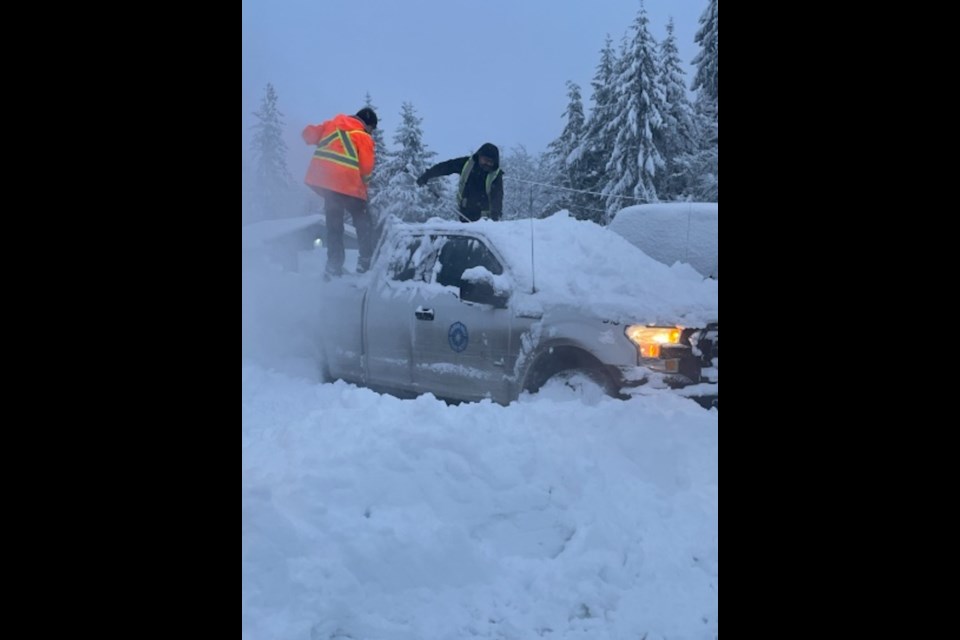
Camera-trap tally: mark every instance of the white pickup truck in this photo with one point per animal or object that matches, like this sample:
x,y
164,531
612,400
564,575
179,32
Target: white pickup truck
x,y
493,309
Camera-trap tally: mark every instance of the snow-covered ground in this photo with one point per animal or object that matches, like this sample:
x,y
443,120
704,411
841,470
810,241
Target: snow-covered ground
x,y
366,516
559,516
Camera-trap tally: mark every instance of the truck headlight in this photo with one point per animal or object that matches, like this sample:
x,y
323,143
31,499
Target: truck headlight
x,y
649,339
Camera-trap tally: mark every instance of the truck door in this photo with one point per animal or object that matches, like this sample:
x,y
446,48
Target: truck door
x,y
460,348
389,316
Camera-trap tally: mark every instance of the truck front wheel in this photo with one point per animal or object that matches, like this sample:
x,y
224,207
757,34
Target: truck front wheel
x,y
572,368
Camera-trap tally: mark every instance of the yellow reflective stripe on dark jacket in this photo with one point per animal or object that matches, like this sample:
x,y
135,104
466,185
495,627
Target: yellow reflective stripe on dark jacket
x,y
465,174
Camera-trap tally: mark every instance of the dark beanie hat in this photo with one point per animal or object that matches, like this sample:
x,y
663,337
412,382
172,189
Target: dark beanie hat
x,y
368,116
489,150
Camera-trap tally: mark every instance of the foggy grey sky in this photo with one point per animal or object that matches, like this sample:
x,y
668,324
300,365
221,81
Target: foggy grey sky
x,y
475,71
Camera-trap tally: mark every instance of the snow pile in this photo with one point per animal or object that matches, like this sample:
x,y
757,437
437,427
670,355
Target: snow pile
x,y
365,516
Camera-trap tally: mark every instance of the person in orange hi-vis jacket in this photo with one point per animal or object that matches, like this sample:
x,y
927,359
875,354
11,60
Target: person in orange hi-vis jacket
x,y
339,172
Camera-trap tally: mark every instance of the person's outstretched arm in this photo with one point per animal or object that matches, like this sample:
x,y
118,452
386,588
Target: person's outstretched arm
x,y
443,169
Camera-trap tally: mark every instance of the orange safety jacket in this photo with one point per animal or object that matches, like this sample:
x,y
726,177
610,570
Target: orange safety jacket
x,y
344,157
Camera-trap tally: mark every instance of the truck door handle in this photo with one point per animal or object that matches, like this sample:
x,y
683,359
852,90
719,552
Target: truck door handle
x,y
424,314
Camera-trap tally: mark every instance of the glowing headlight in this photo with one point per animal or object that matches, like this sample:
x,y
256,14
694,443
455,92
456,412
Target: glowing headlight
x,y
649,339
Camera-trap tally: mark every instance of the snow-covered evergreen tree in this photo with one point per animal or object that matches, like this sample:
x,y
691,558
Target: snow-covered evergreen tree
x,y
566,167
704,165
596,140
378,132
377,180
706,79
524,193
679,135
638,116
272,180
400,195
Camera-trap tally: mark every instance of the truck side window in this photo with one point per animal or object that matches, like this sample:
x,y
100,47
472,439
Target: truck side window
x,y
460,253
402,264
413,260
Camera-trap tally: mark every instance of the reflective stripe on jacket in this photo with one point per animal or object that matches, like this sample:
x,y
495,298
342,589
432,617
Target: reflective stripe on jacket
x,y
488,183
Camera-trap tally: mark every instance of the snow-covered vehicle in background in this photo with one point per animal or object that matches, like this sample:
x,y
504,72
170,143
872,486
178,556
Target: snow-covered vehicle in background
x,y
493,309
674,232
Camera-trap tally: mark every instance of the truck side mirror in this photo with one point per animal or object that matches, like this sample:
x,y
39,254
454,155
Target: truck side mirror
x,y
482,292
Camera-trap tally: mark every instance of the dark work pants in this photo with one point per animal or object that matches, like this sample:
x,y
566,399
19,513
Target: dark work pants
x,y
335,206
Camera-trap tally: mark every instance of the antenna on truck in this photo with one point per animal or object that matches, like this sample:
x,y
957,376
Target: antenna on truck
x,y
533,274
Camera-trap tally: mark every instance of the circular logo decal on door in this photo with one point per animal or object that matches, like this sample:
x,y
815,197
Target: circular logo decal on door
x,y
458,337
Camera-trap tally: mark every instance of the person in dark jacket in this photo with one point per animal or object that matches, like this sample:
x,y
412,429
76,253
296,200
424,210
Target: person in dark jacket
x,y
480,194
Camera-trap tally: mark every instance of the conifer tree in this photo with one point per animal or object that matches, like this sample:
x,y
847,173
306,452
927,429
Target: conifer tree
x,y
597,139
377,180
567,168
704,164
637,119
679,135
400,195
706,79
271,177
526,190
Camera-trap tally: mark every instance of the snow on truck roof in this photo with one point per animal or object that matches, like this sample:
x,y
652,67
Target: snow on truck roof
x,y
581,262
